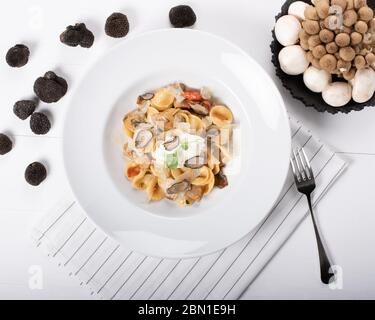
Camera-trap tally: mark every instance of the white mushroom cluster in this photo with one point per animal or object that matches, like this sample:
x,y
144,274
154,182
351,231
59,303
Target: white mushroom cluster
x,y
322,47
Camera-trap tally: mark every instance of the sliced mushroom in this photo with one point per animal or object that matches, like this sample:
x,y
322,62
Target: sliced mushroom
x,y
145,97
213,131
195,193
179,187
143,138
195,162
172,144
199,109
221,180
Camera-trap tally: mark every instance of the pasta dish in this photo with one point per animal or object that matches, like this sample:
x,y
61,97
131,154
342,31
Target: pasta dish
x,y
179,142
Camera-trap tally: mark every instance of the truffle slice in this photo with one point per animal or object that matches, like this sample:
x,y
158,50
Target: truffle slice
x,y
18,56
77,35
24,108
117,25
182,16
35,173
50,88
6,144
39,123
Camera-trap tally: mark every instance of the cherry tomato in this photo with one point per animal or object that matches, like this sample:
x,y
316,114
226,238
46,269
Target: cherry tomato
x,y
192,95
133,172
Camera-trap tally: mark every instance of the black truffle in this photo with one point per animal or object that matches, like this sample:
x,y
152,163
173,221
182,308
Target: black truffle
x,y
87,39
35,173
77,35
18,56
5,144
117,25
182,16
24,108
39,123
50,88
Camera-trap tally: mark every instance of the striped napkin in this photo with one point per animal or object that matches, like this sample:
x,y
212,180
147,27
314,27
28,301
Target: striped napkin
x,y
111,271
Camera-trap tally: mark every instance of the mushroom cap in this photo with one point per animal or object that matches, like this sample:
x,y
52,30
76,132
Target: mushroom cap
x,y
297,9
337,94
172,144
363,85
287,30
142,138
316,80
179,187
293,60
196,162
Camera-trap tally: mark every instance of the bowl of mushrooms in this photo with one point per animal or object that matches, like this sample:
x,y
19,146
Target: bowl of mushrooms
x,y
324,53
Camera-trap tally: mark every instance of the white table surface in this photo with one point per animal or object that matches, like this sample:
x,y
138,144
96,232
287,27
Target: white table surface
x,y
346,214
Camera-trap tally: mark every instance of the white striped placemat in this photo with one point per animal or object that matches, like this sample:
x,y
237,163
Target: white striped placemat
x,y
110,271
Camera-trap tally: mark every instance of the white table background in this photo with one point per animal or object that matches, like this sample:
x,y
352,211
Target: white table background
x,y
346,214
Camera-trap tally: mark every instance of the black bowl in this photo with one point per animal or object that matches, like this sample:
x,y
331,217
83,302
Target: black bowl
x,y
295,84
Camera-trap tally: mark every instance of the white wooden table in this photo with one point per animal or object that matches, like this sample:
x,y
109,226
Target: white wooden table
x,y
346,214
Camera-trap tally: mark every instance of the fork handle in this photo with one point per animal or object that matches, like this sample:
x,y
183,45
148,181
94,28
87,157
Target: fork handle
x,y
325,265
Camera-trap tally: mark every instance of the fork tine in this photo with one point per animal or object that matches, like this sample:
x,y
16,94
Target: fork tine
x,y
304,163
296,161
299,162
296,167
306,159
296,177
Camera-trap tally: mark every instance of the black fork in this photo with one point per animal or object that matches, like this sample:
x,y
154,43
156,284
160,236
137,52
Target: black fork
x,y
305,182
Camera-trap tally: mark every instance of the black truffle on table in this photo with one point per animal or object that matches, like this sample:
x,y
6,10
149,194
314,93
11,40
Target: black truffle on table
x,y
77,35
35,173
18,56
117,25
24,108
6,144
50,88
39,123
182,16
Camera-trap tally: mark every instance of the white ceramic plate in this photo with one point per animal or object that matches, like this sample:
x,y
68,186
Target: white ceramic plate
x,y
93,139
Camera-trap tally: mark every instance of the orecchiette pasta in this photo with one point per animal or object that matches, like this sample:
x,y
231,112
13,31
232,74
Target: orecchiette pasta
x,y
175,173
196,123
130,122
203,177
177,144
210,185
151,112
216,169
141,182
154,191
221,116
163,99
